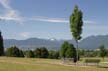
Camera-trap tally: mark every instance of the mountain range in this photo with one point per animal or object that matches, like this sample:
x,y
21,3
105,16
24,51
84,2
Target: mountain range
x,y
91,42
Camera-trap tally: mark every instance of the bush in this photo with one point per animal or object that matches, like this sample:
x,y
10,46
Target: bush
x,y
53,54
67,50
92,60
44,52
41,52
14,52
29,54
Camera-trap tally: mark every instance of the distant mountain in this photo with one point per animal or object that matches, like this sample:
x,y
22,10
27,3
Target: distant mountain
x,y
91,42
32,43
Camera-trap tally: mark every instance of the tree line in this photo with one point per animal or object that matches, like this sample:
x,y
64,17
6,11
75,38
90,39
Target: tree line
x,y
67,50
41,52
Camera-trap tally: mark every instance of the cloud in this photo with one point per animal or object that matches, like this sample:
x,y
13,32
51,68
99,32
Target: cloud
x,y
47,19
25,34
89,22
14,15
5,4
57,20
11,14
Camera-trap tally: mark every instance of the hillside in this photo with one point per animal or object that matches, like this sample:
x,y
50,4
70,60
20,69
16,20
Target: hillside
x,y
91,42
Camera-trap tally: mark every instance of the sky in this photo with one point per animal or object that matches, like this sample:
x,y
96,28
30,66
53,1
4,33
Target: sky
x,y
22,19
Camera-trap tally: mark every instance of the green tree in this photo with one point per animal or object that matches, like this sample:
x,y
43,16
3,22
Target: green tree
x,y
63,49
107,52
37,52
70,52
81,52
102,51
44,52
29,54
1,45
21,53
41,52
14,52
56,55
53,54
76,23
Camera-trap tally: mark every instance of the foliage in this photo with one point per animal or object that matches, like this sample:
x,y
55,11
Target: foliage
x,y
37,52
91,53
76,23
107,52
53,54
71,51
64,49
68,51
41,52
92,60
44,52
14,52
29,54
1,45
102,51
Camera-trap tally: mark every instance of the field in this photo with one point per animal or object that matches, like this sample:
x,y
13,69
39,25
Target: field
x,y
33,64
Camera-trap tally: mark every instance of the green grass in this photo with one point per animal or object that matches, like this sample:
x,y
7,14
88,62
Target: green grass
x,y
33,64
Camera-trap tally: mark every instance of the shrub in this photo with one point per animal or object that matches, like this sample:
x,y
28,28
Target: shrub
x,y
29,54
92,60
41,52
14,52
53,54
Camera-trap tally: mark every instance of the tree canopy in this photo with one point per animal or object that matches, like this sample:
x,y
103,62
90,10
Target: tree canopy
x,y
1,45
14,52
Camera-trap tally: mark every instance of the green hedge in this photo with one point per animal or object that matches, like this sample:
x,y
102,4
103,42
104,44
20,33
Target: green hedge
x,y
92,60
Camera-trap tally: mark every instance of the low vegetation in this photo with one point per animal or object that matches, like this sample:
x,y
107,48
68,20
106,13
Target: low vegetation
x,y
94,61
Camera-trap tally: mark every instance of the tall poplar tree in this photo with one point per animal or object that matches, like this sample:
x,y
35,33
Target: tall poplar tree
x,y
76,23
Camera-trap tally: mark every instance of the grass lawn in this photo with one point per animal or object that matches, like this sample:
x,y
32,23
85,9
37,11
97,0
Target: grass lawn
x,y
33,64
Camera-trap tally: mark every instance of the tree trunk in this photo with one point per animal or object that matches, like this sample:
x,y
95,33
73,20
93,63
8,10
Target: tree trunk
x,y
77,53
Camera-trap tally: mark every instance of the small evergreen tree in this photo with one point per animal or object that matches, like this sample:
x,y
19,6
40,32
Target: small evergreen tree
x,y
1,45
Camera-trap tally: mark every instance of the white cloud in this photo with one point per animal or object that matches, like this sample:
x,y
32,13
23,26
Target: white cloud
x,y
89,22
47,19
25,34
11,14
5,4
57,20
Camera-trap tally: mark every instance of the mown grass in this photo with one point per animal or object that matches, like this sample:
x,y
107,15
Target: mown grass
x,y
33,64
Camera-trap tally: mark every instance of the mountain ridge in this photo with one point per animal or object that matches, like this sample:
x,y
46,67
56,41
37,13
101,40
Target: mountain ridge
x,y
91,42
